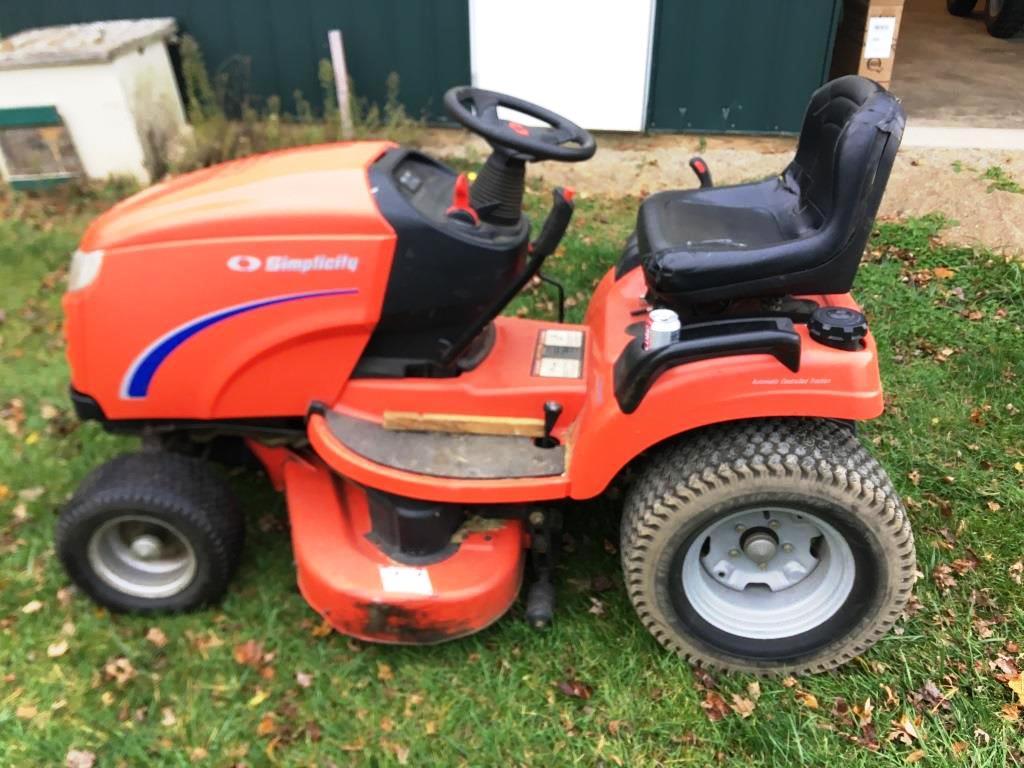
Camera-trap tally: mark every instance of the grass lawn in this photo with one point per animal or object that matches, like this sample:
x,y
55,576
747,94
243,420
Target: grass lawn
x,y
257,681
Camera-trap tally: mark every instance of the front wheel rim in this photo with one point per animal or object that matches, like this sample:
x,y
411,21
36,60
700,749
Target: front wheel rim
x,y
142,556
768,572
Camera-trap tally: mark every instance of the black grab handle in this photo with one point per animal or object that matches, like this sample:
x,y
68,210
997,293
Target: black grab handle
x,y
555,224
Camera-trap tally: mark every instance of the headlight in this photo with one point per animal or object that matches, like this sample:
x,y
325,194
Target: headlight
x,y
85,266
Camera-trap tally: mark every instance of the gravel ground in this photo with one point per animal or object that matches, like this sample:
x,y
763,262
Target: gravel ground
x,y
923,181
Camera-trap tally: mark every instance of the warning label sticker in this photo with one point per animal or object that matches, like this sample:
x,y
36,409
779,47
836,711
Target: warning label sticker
x,y
411,581
559,354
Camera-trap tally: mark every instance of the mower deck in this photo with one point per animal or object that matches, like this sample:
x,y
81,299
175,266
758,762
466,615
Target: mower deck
x,y
362,592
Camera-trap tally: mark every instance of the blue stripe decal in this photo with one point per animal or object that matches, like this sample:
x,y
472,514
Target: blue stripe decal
x,y
140,373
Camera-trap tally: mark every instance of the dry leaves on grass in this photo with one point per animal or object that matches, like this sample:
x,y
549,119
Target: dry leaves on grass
x,y
808,700
119,669
575,689
58,649
79,758
156,636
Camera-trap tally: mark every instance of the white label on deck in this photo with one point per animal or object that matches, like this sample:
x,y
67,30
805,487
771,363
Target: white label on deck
x,y
411,581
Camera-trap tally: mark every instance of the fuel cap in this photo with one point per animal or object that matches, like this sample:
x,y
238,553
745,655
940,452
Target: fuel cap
x,y
838,327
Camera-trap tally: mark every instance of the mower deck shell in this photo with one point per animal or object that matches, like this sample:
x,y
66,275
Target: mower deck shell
x,y
362,592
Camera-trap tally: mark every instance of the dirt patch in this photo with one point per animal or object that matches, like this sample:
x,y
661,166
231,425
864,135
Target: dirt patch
x,y
923,181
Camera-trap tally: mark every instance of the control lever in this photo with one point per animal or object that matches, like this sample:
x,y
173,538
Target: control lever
x,y
555,224
460,209
552,410
701,169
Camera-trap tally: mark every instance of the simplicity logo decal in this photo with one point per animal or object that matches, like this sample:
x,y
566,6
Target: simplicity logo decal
x,y
319,263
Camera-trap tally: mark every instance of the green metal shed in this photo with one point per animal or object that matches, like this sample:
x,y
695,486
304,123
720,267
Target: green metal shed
x,y
272,47
738,66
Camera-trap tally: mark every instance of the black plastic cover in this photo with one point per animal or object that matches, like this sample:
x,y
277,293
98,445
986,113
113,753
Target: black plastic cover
x,y
637,369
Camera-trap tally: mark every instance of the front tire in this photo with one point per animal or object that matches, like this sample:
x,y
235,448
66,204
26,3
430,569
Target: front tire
x,y
774,547
1004,18
151,532
961,7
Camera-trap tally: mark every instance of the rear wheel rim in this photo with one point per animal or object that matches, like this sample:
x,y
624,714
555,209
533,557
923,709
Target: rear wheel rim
x,y
768,572
142,556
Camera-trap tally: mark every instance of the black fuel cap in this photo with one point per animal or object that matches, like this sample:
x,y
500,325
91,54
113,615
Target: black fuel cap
x,y
838,327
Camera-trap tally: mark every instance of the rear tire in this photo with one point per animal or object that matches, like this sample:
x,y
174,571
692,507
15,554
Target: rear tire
x,y
1004,18
151,532
733,604
961,7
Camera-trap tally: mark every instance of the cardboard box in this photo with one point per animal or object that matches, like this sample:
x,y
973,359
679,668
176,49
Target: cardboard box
x,y
866,39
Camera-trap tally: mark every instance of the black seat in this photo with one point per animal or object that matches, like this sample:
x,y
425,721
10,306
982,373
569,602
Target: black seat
x,y
801,232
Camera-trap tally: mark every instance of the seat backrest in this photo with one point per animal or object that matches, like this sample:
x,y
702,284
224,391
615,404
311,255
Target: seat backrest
x,y
848,142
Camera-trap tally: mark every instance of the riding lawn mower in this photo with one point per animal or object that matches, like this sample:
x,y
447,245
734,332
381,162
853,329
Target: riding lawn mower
x,y
335,312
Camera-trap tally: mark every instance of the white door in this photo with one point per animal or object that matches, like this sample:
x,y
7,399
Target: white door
x,y
585,59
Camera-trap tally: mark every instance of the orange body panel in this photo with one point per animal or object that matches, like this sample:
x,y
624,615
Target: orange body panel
x,y
295,234
359,590
600,439
831,383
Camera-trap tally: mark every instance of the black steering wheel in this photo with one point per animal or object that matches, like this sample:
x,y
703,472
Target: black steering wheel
x,y
559,139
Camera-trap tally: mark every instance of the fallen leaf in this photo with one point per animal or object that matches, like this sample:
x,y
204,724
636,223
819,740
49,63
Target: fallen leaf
x,y
33,606
26,712
266,725
119,669
789,682
156,636
79,758
249,653
31,494
576,689
323,629
904,730
1016,684
742,706
197,754
943,273
943,577
304,679
1016,571
916,756
384,672
167,717
57,649
754,690
1010,712
258,698
714,706
809,700
964,565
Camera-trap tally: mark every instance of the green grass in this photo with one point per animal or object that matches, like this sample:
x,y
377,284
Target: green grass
x,y
1001,180
948,322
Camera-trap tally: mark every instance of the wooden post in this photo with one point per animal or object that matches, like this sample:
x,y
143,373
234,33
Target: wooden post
x,y
340,81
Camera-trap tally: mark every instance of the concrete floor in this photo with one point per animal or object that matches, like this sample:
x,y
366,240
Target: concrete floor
x,y
949,71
